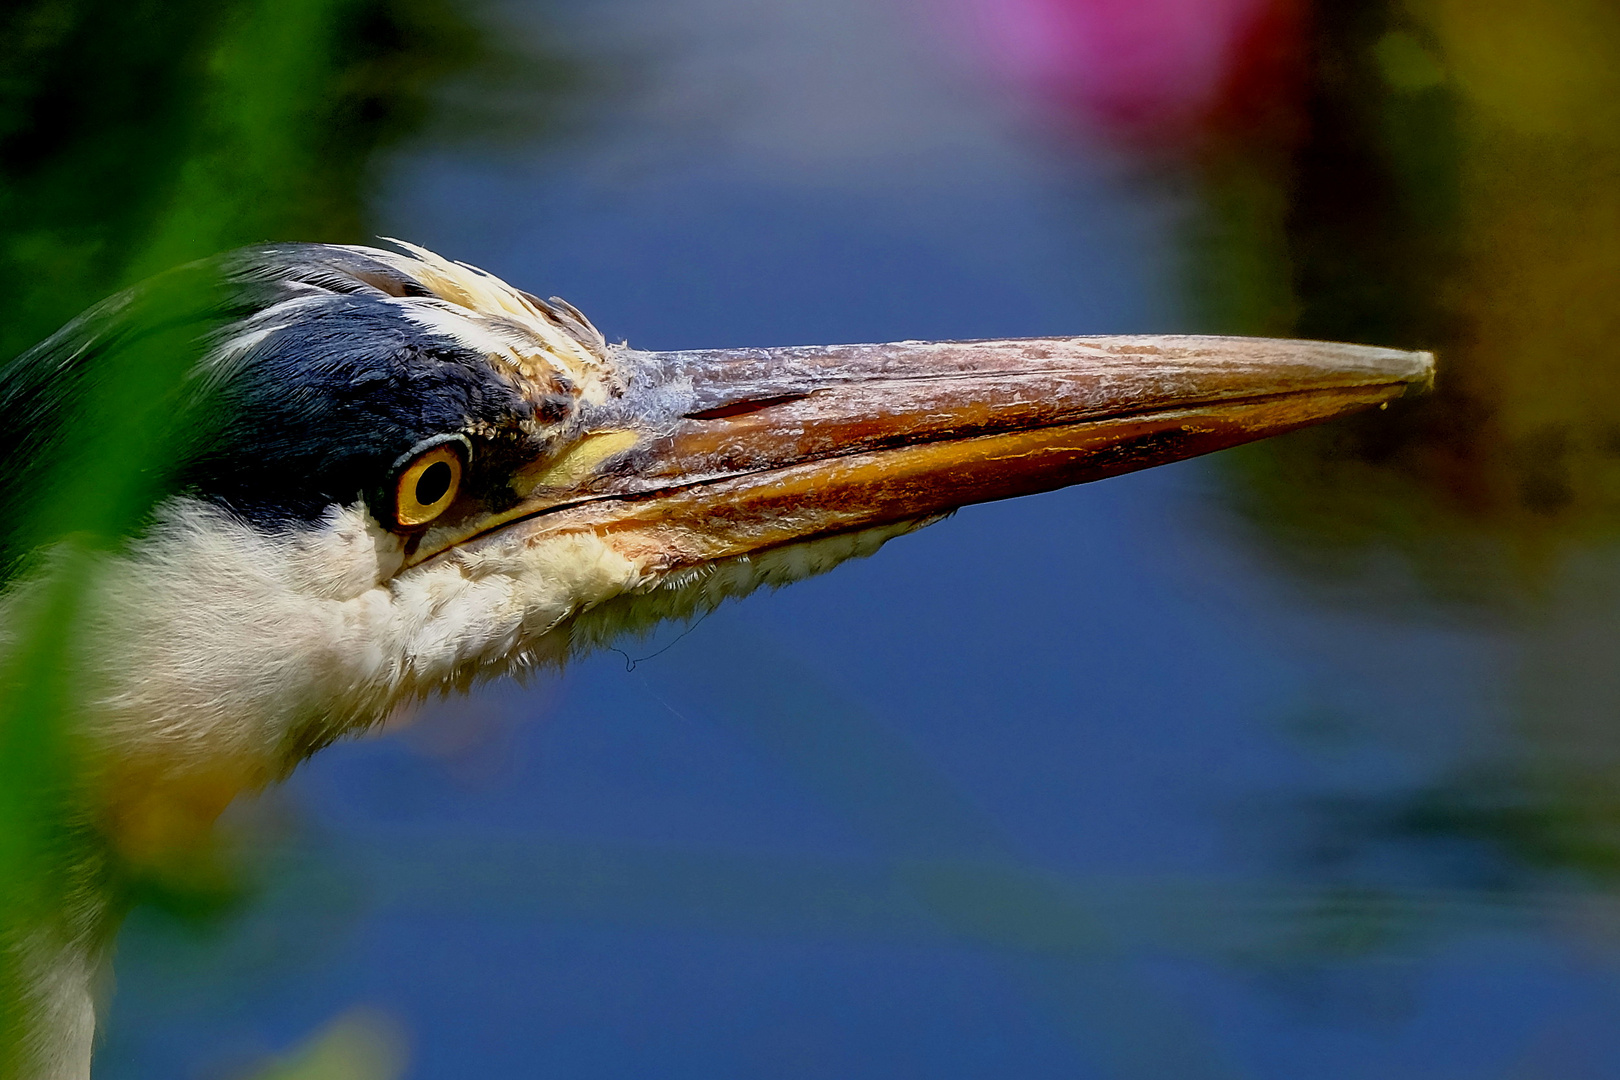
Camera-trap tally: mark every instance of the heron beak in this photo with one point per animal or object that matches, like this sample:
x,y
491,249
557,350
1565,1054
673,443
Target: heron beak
x,y
770,446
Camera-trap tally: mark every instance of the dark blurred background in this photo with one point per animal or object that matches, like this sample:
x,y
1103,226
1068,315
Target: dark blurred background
x,y
1303,760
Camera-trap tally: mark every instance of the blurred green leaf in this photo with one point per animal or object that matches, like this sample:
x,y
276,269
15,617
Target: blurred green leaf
x,y
359,1045
135,136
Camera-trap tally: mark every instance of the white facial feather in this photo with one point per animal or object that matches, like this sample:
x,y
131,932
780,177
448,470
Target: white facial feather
x,y
214,641
486,314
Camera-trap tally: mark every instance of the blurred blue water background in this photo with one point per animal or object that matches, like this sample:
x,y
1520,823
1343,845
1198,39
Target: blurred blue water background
x,y
1071,786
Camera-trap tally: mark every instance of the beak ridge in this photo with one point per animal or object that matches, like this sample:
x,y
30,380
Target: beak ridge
x,y
762,408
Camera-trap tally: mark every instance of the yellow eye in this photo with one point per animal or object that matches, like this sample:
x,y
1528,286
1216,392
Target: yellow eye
x,y
427,486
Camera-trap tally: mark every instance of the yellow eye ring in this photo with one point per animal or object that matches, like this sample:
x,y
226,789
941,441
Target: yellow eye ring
x,y
427,485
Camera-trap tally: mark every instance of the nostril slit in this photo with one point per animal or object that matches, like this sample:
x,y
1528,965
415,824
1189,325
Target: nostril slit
x,y
740,408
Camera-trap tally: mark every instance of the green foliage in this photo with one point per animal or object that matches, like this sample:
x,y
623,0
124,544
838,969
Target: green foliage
x,y
1454,185
136,135
1451,185
357,1046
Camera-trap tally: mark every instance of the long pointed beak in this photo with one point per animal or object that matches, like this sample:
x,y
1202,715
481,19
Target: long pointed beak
x,y
719,453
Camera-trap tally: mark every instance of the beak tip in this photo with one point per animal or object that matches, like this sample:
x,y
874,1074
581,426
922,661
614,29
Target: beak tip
x,y
1404,371
1410,371
1414,367
1423,380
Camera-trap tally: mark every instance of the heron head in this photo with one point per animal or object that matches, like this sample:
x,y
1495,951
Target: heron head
x,y
408,475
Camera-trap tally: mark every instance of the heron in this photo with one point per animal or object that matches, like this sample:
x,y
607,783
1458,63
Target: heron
x,y
390,475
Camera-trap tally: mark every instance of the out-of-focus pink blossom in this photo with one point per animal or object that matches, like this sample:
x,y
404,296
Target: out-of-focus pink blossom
x,y
1144,69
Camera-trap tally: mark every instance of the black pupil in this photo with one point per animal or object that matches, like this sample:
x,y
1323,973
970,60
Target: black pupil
x,y
433,483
